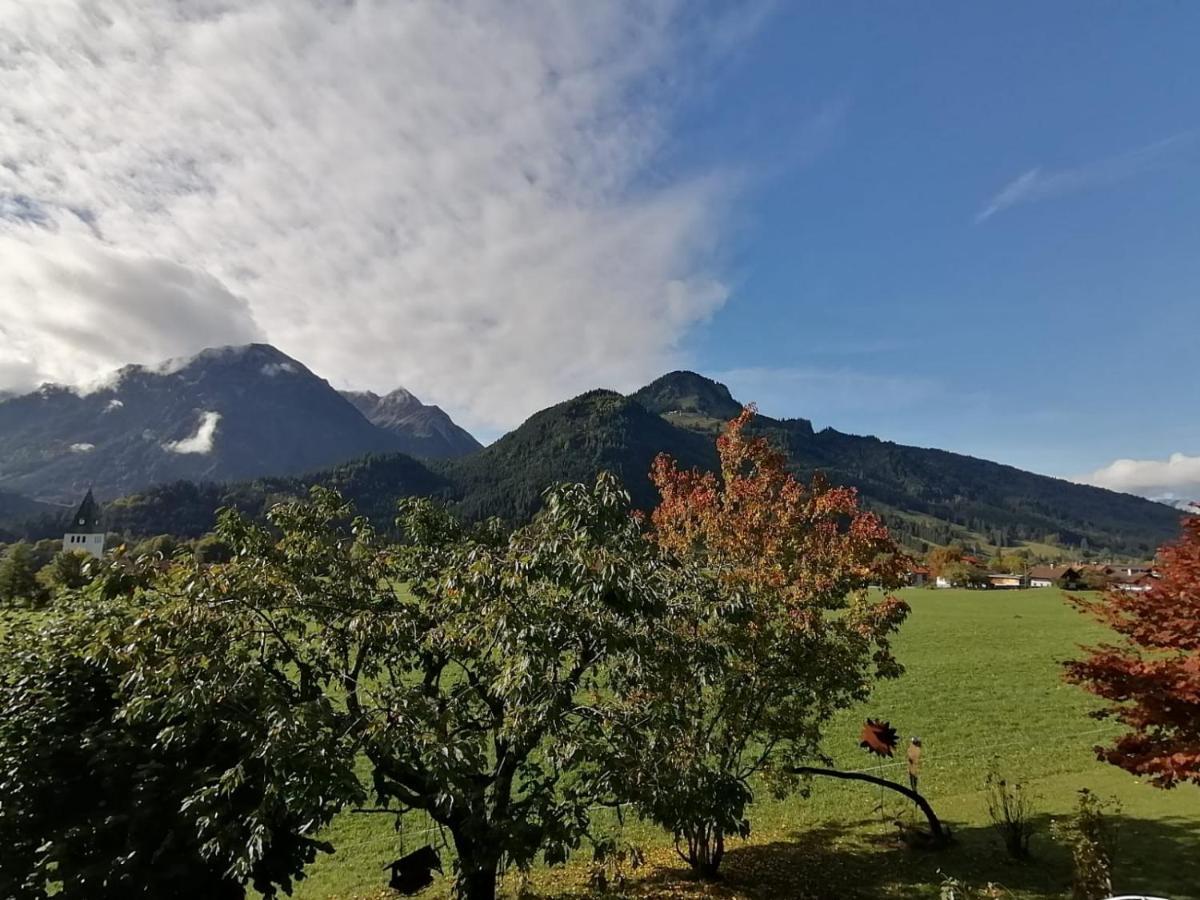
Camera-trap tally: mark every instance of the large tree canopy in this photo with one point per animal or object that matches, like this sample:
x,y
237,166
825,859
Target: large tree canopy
x,y
196,723
1152,677
486,702
756,668
146,751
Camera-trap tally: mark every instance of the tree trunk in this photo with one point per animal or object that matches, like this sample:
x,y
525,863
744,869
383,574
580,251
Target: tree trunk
x,y
718,853
478,866
478,884
706,849
936,829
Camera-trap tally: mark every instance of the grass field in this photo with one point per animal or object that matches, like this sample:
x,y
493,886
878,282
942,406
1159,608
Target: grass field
x,y
982,689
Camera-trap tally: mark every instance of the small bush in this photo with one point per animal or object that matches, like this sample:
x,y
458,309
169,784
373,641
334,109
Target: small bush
x,y
956,889
1010,806
613,865
1091,836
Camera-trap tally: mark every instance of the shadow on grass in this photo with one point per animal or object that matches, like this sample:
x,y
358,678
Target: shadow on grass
x,y
1160,857
859,860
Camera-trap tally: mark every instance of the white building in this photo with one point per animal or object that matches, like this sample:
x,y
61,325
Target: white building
x,y
1048,576
85,534
1135,584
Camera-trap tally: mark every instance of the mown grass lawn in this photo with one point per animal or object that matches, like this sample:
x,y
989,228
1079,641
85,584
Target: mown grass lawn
x,y
983,689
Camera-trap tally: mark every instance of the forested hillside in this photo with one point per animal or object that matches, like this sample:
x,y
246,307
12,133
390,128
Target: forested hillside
x,y
932,495
600,430
187,509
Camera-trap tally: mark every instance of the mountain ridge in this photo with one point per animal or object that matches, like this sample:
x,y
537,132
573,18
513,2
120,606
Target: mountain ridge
x,y
927,496
1000,502
225,414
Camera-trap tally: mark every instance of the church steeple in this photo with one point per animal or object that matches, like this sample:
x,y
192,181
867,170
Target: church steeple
x,y
84,533
87,518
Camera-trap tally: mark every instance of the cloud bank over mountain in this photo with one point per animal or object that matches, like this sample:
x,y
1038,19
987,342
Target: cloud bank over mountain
x,y
460,199
1175,479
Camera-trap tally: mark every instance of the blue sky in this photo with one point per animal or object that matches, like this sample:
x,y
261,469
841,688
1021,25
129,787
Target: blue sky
x,y
964,225
1057,334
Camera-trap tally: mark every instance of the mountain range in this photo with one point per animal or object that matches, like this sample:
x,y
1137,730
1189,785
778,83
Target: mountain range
x,y
226,414
927,496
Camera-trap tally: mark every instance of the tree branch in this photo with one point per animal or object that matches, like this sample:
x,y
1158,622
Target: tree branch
x,y
940,834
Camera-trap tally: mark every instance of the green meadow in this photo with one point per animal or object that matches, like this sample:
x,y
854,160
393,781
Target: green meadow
x,y
983,691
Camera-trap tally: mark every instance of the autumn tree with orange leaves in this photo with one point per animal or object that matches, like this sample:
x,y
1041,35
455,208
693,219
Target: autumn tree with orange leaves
x,y
1151,678
758,667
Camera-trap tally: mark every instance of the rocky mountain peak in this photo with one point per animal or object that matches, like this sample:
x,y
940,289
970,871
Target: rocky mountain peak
x,y
426,430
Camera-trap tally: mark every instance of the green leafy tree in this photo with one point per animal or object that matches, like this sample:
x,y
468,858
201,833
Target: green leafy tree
x,y
472,668
69,570
1013,562
965,573
211,549
194,724
45,550
18,575
161,546
146,752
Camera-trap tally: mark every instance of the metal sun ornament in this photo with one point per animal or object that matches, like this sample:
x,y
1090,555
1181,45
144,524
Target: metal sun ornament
x,y
879,738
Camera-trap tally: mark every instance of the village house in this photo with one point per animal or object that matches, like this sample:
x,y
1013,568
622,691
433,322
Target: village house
x,y
1134,583
1006,581
1124,570
1050,576
918,576
1122,576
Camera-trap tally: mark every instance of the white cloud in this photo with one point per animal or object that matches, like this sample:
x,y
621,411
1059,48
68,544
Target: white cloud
x,y
1038,184
202,440
73,308
452,197
1175,479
